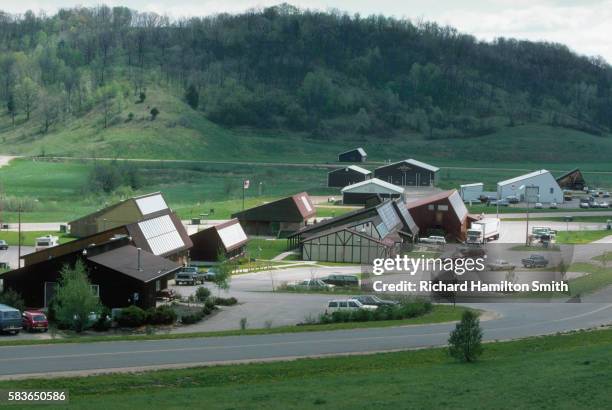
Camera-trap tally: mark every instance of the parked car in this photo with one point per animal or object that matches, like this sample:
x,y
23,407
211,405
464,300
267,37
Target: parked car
x,y
501,264
603,204
584,204
10,319
210,274
167,295
33,320
3,245
535,261
538,205
347,304
512,199
606,195
436,240
553,205
313,284
342,280
186,278
375,300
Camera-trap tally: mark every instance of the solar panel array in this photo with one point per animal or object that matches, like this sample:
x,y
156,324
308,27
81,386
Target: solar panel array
x,y
161,235
388,215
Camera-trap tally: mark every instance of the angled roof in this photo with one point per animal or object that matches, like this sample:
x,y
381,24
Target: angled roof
x,y
452,196
161,235
407,219
567,174
230,234
523,177
375,186
343,228
125,260
147,204
415,163
354,168
360,150
291,208
471,185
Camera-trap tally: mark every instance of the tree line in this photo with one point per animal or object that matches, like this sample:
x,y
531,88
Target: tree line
x,y
325,73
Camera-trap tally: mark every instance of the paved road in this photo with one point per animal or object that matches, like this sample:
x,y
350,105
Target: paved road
x,y
517,320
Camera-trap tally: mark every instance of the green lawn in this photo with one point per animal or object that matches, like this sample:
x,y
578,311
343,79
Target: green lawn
x,y
599,277
29,238
581,237
551,372
578,218
266,248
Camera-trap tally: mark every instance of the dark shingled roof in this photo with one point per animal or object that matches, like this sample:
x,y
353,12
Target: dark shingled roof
x,y
125,260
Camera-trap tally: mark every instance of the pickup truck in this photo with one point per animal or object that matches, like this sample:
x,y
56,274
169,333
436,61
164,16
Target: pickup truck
x,y
535,261
436,240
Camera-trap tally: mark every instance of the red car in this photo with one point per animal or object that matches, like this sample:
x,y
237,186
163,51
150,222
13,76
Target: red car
x,y
34,320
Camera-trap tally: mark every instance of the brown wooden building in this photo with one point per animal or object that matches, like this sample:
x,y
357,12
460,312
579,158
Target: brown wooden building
x,y
341,177
227,238
409,172
444,211
277,218
120,274
573,180
353,155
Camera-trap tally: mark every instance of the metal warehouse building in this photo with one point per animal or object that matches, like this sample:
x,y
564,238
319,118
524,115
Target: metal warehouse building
x,y
363,192
471,192
344,245
341,177
227,238
549,189
277,218
444,211
409,172
354,155
122,213
572,180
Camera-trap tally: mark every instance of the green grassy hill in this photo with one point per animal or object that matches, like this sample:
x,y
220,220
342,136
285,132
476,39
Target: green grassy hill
x,y
182,133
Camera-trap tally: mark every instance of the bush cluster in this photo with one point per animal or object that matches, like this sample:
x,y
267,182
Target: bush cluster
x,y
404,310
225,301
198,315
133,316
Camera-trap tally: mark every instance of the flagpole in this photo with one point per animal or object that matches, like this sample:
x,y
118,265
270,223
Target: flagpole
x,y
243,195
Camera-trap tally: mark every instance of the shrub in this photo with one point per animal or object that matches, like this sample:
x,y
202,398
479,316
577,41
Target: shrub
x,y
209,304
161,315
11,298
225,301
465,342
104,322
202,294
132,316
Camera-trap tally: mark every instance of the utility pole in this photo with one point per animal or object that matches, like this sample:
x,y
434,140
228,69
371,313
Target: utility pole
x,y
19,237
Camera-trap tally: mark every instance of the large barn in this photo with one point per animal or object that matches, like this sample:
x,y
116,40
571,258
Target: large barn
x,y
227,239
120,274
409,172
363,192
353,155
442,212
341,177
572,180
277,218
122,213
549,189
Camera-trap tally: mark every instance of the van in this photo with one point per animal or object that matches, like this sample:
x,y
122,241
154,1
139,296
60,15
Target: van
x,y
10,319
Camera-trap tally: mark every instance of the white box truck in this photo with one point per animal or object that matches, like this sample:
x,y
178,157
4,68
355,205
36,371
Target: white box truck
x,y
483,230
471,192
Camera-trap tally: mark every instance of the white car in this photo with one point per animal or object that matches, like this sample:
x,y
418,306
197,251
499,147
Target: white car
x,y
501,264
438,240
553,205
603,205
584,205
538,205
347,304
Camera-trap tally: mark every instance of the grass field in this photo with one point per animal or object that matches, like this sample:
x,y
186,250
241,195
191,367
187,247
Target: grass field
x,y
581,237
551,372
29,238
266,248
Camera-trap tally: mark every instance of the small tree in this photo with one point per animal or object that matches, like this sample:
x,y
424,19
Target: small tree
x,y
141,97
192,96
74,298
223,275
465,342
154,113
11,107
11,298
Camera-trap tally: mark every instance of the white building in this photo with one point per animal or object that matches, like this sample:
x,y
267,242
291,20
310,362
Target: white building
x,y
361,192
471,192
549,190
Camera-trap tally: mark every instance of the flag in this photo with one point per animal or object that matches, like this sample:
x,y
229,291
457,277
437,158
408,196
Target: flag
x,y
246,184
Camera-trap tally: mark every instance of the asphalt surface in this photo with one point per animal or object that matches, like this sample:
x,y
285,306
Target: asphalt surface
x,y
517,320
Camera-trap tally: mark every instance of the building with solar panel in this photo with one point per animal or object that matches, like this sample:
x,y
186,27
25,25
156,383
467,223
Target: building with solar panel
x,y
441,214
125,212
227,239
359,236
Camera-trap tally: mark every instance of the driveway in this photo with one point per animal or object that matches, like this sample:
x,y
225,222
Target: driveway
x,y
10,255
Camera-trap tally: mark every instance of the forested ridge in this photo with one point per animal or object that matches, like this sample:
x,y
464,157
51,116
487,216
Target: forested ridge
x,y
326,74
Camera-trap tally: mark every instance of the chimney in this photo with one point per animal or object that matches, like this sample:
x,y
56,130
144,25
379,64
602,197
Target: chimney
x,y
139,261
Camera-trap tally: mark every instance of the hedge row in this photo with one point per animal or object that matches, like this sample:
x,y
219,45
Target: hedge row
x,y
133,316
404,310
195,317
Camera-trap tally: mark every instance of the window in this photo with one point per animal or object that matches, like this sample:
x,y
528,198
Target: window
x,y
353,304
157,285
430,207
333,304
552,190
442,207
1,285
95,289
343,304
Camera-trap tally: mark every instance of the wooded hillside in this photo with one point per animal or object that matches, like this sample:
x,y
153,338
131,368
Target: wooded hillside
x,y
327,74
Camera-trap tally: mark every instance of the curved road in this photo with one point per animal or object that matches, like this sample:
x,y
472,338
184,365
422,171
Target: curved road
x,y
516,320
